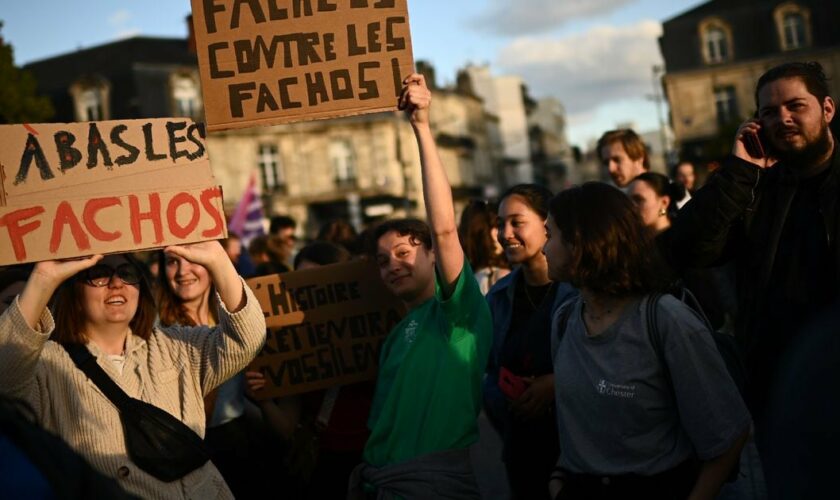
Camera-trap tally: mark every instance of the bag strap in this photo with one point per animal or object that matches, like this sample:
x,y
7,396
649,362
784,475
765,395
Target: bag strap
x,y
651,317
86,362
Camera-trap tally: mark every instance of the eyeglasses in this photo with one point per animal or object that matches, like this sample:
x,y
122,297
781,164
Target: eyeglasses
x,y
101,275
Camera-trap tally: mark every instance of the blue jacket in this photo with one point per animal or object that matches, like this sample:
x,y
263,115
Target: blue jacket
x,y
500,300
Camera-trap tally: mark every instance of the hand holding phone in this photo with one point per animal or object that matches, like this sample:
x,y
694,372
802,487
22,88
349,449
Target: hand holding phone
x,y
511,385
754,144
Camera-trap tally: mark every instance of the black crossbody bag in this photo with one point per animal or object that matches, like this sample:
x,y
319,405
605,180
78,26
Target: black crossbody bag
x,y
157,442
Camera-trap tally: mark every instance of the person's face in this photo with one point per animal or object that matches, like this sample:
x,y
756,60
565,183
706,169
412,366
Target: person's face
x,y
648,204
287,236
521,230
685,175
114,303
234,250
190,282
622,169
7,296
792,118
557,252
406,268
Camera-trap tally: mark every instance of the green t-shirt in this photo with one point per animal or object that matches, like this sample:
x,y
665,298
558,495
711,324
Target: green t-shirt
x,y
428,392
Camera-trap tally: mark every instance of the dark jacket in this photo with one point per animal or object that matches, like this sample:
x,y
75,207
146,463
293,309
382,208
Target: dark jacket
x,y
500,300
740,214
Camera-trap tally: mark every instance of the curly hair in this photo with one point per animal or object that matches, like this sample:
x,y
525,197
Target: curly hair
x,y
417,231
611,251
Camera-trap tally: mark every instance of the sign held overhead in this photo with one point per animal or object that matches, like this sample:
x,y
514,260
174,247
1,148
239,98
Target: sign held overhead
x,y
266,62
76,189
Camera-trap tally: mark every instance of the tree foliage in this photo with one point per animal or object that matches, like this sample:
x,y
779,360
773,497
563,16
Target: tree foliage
x,y
19,102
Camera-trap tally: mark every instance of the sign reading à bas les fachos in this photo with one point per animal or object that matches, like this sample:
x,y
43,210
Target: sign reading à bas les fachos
x,y
76,189
326,327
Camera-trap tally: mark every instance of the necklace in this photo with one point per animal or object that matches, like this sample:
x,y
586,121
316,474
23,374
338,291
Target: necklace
x,y
536,305
596,317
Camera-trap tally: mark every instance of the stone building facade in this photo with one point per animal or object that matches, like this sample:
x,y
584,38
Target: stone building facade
x,y
715,53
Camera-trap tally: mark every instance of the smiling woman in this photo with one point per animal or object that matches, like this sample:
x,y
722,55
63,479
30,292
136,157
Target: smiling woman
x,y
105,312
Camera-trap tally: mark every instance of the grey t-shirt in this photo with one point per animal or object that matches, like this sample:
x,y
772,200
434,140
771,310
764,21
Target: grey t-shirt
x,y
616,411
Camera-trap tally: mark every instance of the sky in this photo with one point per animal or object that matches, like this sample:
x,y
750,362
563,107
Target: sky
x,y
595,56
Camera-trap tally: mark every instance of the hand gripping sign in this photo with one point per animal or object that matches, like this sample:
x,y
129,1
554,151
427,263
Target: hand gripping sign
x,y
75,189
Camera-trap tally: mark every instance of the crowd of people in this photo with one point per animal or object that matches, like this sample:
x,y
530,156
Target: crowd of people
x,y
624,341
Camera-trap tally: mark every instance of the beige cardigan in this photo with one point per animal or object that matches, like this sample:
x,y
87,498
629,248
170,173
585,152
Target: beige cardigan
x,y
173,370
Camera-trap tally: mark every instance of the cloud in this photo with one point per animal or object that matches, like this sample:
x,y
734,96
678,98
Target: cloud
x,y
119,18
519,17
586,70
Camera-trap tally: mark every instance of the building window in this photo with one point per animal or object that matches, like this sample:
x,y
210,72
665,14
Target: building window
x,y
793,23
726,105
716,37
90,104
343,162
186,96
716,47
90,98
270,168
794,30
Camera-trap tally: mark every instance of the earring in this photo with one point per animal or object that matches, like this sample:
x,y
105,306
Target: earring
x,y
662,212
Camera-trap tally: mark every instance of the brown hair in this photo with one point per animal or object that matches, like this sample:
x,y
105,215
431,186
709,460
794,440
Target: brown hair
x,y
417,231
476,234
69,320
611,251
171,309
630,141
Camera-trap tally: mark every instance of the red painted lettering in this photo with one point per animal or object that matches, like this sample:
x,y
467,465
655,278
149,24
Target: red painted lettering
x,y
207,197
136,216
92,207
175,203
17,231
64,216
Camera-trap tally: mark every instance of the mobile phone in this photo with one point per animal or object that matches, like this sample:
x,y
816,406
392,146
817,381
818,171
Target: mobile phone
x,y
511,385
754,142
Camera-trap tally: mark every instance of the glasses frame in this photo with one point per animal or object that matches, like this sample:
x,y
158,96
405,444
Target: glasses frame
x,y
115,271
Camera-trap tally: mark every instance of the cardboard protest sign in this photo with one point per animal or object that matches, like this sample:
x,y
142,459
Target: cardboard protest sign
x,y
278,61
75,189
326,327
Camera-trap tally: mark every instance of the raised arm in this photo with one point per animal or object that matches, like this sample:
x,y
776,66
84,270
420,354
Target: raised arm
x,y
449,257
212,256
225,349
44,281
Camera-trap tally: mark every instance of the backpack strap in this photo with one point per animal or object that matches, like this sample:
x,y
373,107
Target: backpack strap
x,y
560,320
652,323
86,362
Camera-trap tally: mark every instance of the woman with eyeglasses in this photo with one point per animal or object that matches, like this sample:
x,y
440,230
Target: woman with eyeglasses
x,y
105,304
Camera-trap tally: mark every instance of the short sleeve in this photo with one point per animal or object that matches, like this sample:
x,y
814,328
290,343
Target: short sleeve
x,y
711,409
466,300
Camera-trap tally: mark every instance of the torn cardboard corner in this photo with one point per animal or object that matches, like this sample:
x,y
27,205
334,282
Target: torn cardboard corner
x,y
266,62
326,327
77,189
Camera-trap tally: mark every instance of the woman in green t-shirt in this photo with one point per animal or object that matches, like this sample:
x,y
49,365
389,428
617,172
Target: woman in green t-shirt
x,y
428,391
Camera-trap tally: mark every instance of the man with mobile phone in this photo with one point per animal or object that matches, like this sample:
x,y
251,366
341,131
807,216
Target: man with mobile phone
x,y
774,208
